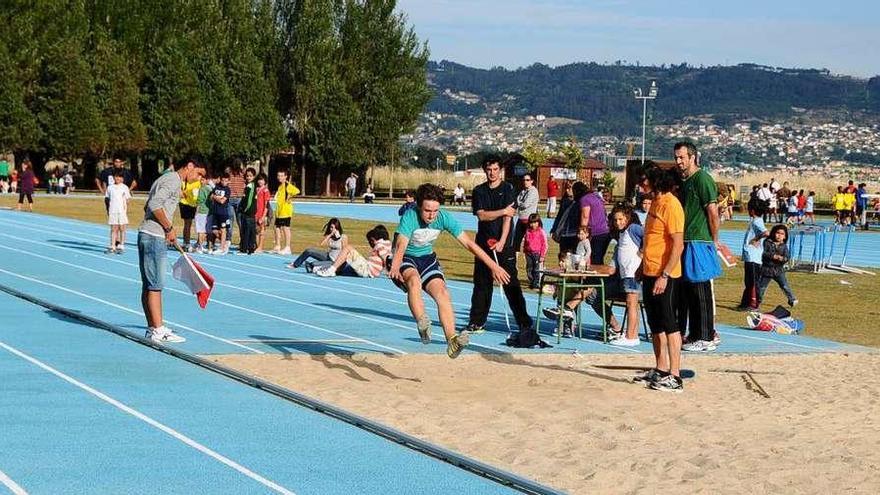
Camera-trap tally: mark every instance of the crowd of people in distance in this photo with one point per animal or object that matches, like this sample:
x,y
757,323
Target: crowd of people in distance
x,y
792,206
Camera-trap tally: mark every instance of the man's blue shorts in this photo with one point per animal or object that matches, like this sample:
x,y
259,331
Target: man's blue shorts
x,y
152,258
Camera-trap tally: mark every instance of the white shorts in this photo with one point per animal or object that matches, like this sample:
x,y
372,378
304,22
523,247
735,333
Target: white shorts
x,y
201,223
551,205
118,218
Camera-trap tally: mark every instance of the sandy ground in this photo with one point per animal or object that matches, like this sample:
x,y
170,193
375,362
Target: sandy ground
x,y
575,422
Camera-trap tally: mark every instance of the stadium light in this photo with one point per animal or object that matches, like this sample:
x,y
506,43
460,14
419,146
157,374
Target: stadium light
x,y
652,94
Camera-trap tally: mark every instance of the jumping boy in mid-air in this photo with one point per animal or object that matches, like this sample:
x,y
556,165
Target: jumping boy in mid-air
x,y
414,266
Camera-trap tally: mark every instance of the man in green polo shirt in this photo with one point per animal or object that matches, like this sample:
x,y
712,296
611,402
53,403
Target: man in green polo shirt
x,y
696,304
4,170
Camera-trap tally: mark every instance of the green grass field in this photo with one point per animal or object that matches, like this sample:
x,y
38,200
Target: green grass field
x,y
831,309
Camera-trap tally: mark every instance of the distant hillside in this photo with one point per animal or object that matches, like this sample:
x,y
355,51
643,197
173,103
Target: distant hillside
x,y
601,95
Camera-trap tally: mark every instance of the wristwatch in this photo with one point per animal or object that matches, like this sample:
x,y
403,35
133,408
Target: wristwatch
x,y
664,275
168,229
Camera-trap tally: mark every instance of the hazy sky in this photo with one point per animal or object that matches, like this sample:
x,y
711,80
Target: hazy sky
x,y
840,35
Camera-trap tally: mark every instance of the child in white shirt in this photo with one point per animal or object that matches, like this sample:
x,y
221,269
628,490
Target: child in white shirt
x,y
119,194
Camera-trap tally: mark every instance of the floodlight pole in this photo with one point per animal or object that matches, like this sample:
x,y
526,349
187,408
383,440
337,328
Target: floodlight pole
x,y
652,94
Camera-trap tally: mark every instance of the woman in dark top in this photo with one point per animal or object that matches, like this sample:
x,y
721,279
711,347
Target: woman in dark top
x,y
26,185
775,257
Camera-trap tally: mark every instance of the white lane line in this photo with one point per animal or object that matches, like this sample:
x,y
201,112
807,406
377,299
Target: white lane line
x,y
178,291
150,421
823,349
114,305
12,485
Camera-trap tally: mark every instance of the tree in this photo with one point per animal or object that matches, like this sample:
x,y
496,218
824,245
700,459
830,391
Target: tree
x,y
535,151
18,126
117,96
171,104
571,152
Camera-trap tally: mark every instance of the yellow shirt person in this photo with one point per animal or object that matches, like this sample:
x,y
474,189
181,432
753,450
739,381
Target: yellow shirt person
x,y
284,200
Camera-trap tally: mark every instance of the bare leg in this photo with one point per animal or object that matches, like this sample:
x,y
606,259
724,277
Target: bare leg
x,y
151,300
277,239
660,350
287,237
414,293
343,256
673,341
260,229
632,316
440,293
113,237
121,235
187,231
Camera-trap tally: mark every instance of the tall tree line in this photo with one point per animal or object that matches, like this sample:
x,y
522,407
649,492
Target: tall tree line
x,y
337,80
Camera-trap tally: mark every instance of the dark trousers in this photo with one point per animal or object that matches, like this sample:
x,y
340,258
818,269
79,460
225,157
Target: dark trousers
x,y
248,234
313,253
533,269
518,234
696,310
481,299
751,298
783,284
599,246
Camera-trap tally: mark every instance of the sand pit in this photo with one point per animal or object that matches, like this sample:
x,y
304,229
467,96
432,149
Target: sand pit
x,y
576,423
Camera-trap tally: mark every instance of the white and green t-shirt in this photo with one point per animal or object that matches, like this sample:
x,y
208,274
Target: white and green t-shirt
x,y
422,236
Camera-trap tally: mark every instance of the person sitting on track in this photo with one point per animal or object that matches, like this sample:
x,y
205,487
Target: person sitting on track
x,y
334,239
351,263
414,266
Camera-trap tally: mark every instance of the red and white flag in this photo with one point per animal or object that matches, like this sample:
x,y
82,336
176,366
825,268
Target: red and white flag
x,y
199,281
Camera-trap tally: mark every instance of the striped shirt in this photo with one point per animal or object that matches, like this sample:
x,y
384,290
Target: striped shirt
x,y
380,252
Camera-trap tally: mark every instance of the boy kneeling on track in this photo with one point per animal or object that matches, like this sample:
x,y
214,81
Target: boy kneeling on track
x,y
414,266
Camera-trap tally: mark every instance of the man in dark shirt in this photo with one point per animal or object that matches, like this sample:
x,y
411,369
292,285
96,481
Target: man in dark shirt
x,y
105,179
493,205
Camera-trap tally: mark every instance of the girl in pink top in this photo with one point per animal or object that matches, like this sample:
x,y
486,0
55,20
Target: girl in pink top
x,y
262,213
535,249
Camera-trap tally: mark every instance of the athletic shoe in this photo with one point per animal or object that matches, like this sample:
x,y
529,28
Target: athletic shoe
x,y
793,303
474,328
284,251
457,344
649,376
218,252
276,250
668,383
699,346
614,334
717,338
110,251
624,342
310,267
200,250
424,326
120,250
164,335
241,253
325,272
553,314
567,332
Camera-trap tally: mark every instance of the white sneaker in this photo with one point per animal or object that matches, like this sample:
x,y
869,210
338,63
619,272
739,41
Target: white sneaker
x,y
325,272
217,252
276,250
624,342
164,335
699,346
284,251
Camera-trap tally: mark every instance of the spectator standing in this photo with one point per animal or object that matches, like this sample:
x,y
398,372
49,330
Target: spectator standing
x,y
283,212
764,196
526,206
552,194
189,200
783,194
236,190
535,249
492,203
202,208
105,179
263,210
862,205
752,255
662,248
118,215
13,180
809,206
594,225
26,181
773,262
700,265
247,214
351,186
4,170
220,218
154,235
838,201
